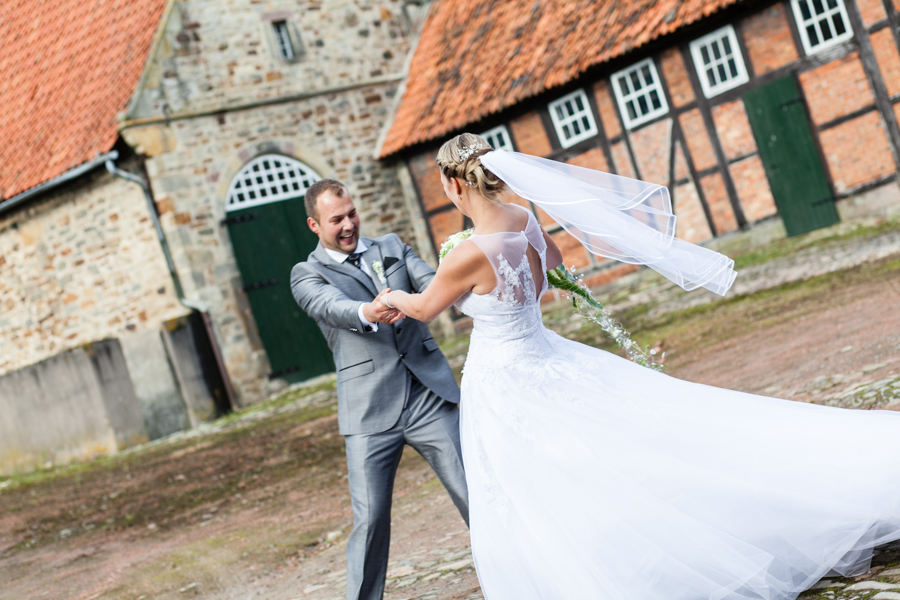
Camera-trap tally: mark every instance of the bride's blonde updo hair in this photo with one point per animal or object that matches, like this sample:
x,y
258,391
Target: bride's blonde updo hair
x,y
460,157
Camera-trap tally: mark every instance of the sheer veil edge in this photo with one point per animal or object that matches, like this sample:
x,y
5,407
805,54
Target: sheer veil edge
x,y
614,217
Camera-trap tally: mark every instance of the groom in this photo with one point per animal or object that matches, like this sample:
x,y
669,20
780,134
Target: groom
x,y
394,386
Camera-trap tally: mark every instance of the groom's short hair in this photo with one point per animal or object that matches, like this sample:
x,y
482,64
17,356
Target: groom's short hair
x,y
317,189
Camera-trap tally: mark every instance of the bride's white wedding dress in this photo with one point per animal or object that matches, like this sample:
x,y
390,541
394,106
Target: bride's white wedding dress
x,y
592,477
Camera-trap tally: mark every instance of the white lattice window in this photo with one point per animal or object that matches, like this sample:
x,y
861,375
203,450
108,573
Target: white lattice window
x,y
822,23
283,40
639,93
269,178
718,60
572,118
498,138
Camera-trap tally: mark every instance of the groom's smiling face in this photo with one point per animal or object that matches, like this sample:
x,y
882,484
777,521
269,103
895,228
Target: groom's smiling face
x,y
338,222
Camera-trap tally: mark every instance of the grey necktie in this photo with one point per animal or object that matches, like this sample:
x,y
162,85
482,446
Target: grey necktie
x,y
354,259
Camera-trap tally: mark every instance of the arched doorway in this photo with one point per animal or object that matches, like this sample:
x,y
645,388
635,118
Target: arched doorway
x,y
267,225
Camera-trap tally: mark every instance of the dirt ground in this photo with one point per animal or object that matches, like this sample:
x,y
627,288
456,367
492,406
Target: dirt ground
x,y
258,507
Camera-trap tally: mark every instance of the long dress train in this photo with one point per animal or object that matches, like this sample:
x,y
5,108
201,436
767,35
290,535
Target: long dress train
x,y
592,477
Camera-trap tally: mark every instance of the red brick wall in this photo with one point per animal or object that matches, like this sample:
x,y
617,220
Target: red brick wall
x,y
592,159
609,275
697,139
767,35
752,187
528,132
427,176
857,151
691,224
888,59
623,160
607,110
871,11
836,88
718,203
651,146
676,77
572,250
445,224
734,129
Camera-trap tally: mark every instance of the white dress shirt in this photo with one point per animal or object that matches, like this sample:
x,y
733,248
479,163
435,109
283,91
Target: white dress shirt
x,y
364,267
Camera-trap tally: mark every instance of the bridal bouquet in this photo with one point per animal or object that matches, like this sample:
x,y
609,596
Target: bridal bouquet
x,y
585,304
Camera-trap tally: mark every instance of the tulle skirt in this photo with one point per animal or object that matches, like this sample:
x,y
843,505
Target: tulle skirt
x,y
592,477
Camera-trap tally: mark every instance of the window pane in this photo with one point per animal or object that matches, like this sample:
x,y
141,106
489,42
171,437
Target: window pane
x,y
635,81
711,77
832,4
576,128
654,100
811,34
704,52
559,112
642,103
839,28
647,77
585,123
817,6
501,140
623,83
726,45
631,112
578,104
722,74
569,108
732,66
566,131
826,30
715,50
804,10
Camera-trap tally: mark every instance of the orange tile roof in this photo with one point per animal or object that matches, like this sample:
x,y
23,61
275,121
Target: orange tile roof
x,y
478,57
67,68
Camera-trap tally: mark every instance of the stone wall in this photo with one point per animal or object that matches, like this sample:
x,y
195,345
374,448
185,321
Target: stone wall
x,y
81,264
215,54
216,96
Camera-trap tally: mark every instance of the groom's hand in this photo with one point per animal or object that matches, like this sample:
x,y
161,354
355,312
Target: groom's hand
x,y
376,312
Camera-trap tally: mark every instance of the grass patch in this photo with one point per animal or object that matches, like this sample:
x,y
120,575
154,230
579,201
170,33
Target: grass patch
x,y
822,237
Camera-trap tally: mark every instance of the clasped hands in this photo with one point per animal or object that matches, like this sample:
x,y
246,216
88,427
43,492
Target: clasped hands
x,y
377,311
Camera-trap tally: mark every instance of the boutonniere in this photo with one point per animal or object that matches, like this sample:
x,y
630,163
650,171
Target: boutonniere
x,y
379,270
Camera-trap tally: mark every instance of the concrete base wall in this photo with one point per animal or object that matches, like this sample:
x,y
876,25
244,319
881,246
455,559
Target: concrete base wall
x,y
76,405
157,391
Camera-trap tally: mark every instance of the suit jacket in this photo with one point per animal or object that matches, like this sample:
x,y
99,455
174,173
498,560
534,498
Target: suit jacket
x,y
372,381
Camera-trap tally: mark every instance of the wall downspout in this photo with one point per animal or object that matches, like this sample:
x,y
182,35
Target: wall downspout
x,y
176,282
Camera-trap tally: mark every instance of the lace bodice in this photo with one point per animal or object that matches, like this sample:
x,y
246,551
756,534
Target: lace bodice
x,y
516,297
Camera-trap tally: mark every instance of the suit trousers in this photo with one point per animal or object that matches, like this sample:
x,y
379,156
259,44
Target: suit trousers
x,y
431,426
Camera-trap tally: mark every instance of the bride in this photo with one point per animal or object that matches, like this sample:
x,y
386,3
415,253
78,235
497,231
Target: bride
x,y
592,477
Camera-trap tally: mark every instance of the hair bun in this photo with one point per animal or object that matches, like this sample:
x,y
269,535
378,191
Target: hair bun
x,y
459,158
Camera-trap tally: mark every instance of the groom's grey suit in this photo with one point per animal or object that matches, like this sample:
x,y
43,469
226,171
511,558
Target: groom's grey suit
x,y
394,387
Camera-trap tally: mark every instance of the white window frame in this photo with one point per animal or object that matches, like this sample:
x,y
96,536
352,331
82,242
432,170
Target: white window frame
x,y
838,9
498,138
269,178
583,119
718,65
283,42
634,95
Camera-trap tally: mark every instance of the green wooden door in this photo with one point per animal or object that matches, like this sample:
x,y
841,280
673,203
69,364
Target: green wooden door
x,y
788,152
268,240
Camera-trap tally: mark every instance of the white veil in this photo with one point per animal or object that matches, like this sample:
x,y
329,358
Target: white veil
x,y
614,217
